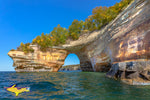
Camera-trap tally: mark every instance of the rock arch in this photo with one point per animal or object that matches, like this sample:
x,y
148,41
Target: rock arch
x,y
123,45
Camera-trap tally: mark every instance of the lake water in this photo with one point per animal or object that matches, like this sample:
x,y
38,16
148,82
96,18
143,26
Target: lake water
x,y
70,86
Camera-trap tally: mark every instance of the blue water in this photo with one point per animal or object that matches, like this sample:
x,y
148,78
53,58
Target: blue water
x,y
70,86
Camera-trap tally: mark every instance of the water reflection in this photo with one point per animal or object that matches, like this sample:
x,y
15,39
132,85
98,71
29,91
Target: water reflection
x,y
76,86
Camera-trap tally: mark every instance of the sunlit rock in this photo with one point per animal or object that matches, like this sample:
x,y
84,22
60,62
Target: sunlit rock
x,y
122,48
51,60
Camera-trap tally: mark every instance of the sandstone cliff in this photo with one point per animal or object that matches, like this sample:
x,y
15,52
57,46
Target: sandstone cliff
x,y
123,45
51,60
122,48
70,68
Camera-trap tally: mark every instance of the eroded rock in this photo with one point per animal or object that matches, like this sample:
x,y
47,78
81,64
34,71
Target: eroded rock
x,y
38,61
122,48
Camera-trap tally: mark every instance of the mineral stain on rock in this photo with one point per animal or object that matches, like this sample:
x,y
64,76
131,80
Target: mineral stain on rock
x,y
122,49
38,61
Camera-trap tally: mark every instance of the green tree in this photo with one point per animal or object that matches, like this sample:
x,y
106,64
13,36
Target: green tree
x,y
59,35
100,17
89,24
75,29
25,48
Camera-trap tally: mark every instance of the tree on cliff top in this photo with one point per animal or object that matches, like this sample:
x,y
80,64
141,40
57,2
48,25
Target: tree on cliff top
x,y
25,48
59,35
100,17
75,29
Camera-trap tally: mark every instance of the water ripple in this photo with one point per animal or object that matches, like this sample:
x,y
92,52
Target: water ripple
x,y
70,86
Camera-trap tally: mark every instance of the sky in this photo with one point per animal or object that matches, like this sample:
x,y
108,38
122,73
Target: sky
x,y
23,20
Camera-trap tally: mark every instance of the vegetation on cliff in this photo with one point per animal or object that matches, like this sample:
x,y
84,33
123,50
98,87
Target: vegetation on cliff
x,y
100,17
25,48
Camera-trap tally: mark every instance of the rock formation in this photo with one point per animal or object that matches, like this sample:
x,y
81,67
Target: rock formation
x,y
51,60
122,48
70,68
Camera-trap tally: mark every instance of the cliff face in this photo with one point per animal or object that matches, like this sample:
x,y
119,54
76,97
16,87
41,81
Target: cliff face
x,y
122,48
51,60
70,68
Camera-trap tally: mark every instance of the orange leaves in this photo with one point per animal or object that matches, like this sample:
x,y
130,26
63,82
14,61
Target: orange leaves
x,y
22,44
51,37
25,48
74,36
75,29
99,18
38,41
34,40
103,15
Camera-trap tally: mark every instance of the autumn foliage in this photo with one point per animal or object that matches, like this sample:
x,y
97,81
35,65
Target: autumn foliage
x,y
100,17
25,48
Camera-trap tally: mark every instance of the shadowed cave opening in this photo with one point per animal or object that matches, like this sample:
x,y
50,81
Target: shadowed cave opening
x,y
71,63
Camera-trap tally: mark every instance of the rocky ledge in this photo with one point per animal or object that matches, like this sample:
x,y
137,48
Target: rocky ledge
x,y
122,48
38,61
70,68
